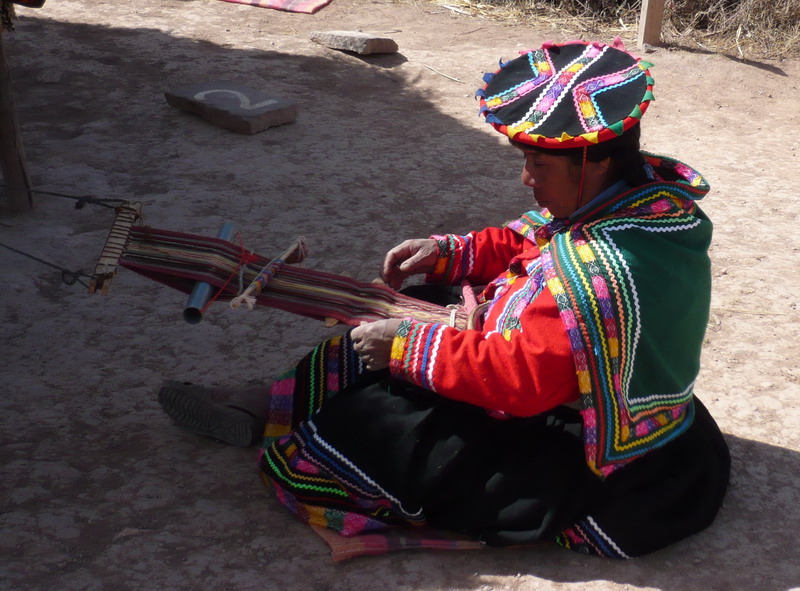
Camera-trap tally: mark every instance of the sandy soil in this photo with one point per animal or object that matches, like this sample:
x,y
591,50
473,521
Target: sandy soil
x,y
100,491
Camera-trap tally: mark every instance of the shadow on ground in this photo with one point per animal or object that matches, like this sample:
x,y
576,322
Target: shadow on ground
x,y
98,490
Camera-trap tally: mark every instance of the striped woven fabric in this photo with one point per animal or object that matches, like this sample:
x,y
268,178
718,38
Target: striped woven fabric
x,y
304,6
180,260
406,538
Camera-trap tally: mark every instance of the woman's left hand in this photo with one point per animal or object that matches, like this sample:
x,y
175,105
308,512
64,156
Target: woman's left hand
x,y
373,342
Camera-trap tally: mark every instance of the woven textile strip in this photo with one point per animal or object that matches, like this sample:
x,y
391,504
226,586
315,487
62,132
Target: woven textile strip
x,y
406,538
618,276
180,260
303,6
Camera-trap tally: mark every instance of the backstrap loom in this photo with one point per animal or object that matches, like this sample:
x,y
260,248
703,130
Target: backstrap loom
x,y
182,261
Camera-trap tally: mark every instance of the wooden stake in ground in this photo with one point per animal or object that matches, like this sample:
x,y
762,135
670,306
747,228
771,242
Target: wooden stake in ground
x,y
650,22
12,154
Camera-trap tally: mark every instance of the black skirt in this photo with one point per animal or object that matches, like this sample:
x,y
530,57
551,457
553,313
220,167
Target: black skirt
x,y
525,480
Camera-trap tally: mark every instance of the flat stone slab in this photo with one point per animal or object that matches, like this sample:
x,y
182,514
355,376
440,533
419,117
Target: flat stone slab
x,y
233,106
355,41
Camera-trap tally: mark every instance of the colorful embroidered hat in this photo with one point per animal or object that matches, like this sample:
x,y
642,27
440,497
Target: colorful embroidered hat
x,y
567,95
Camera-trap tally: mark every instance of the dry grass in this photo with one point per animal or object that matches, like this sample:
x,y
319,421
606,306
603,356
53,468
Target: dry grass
x,y
744,28
579,16
747,28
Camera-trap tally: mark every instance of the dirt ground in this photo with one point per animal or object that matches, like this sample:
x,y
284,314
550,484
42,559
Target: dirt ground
x,y
100,491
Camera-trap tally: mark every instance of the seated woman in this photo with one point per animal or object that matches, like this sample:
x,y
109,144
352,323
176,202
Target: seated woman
x,y
569,415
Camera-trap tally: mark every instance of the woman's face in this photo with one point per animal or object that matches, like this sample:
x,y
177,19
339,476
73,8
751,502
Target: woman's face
x,y
555,181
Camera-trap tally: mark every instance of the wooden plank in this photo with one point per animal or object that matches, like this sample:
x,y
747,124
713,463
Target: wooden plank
x,y
12,154
650,22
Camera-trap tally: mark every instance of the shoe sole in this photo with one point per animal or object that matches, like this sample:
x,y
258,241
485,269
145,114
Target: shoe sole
x,y
192,409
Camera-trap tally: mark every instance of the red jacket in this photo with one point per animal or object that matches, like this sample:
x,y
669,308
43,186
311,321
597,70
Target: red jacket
x,y
520,362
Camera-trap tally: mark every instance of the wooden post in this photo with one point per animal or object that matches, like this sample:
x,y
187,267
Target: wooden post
x,y
12,154
650,22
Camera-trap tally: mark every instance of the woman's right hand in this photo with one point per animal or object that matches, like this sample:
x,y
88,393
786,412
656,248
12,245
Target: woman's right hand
x,y
410,257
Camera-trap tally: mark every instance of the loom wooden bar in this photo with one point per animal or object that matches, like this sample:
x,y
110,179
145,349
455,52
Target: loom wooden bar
x,y
650,22
108,262
12,154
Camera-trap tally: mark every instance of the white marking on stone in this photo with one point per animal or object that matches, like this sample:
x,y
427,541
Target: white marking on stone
x,y
244,100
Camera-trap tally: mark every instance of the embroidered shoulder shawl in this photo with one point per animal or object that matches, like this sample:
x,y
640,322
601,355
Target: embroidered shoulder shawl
x,y
632,282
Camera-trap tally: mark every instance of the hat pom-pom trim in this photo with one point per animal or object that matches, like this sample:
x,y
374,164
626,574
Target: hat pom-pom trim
x,y
492,118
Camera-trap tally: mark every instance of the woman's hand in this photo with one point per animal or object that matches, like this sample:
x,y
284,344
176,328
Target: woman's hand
x,y
411,257
373,342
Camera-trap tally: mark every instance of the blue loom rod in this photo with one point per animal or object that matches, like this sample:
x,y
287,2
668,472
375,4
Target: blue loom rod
x,y
193,312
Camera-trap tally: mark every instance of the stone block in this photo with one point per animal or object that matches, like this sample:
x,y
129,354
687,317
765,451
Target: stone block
x,y
355,41
233,106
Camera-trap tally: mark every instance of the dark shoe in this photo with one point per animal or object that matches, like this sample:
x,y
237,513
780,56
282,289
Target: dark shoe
x,y
215,413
